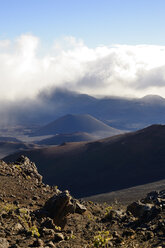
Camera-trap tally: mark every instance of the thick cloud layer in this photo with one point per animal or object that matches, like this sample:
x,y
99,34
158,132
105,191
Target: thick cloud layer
x,y
120,70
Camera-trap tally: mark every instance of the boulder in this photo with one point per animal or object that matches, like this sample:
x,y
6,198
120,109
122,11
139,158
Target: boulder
x,y
114,215
59,207
80,209
157,198
141,210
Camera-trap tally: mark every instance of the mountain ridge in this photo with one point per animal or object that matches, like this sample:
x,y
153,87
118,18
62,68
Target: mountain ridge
x,y
96,167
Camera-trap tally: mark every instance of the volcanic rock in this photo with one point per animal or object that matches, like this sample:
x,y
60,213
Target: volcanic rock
x,y
59,207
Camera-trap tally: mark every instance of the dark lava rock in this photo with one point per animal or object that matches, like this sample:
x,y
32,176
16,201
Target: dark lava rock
x,y
59,207
58,237
80,209
141,210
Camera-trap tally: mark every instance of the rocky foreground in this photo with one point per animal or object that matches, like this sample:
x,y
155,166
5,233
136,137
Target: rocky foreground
x,y
33,214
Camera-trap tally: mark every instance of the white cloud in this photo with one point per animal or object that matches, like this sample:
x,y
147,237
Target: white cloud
x,y
4,44
120,70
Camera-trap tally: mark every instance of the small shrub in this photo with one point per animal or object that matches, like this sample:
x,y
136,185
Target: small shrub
x,y
91,217
22,215
18,167
101,239
107,210
57,228
26,221
72,236
34,231
7,207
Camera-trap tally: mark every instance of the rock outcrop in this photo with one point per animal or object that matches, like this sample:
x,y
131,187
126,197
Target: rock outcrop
x,y
29,168
21,167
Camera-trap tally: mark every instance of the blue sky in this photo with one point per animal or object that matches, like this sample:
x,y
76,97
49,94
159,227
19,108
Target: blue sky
x,y
94,21
107,47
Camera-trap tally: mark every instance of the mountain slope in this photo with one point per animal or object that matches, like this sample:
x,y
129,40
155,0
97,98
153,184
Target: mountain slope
x,y
61,138
7,147
89,168
75,123
128,195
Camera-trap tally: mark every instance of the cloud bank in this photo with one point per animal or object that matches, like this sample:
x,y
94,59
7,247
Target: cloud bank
x,y
116,70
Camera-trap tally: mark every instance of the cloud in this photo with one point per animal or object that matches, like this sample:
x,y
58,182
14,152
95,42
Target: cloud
x,y
120,70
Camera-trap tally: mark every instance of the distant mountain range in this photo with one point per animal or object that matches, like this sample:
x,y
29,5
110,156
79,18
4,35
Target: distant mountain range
x,y
114,163
76,123
120,113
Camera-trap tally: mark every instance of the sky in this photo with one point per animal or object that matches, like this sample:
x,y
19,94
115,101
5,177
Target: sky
x,y
107,47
